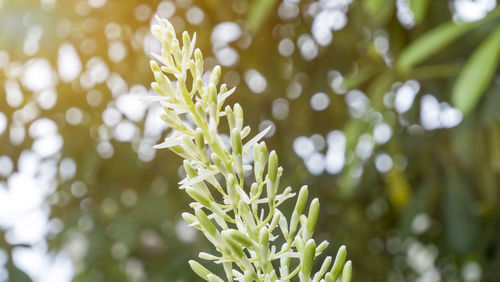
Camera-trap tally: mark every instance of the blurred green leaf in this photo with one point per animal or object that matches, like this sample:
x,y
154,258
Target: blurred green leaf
x,y
430,43
378,88
419,9
379,10
477,74
460,217
260,10
494,148
16,275
355,79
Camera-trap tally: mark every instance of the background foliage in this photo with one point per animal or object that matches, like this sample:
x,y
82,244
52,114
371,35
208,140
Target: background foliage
x,y
407,181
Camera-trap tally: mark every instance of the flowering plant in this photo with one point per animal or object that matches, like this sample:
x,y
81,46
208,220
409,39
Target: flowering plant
x,y
241,223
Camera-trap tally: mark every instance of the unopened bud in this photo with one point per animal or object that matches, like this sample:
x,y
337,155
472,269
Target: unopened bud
x,y
205,222
190,171
239,237
189,218
272,169
347,272
215,75
186,40
199,269
302,199
238,114
308,257
230,117
200,196
236,141
312,217
339,262
233,245
214,278
154,66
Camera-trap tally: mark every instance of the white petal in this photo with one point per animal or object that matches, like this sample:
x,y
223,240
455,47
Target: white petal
x,y
169,142
226,94
201,177
256,139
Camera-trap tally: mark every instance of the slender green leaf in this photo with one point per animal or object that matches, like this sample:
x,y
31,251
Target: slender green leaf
x,y
260,10
419,9
477,74
460,218
380,11
430,43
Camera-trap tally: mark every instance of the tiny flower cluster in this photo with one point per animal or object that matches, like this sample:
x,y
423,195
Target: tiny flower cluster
x,y
242,223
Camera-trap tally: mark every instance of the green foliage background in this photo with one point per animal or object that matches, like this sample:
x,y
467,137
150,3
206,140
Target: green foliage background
x,y
449,176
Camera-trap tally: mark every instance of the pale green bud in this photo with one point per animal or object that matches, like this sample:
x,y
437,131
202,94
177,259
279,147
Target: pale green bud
x,y
259,164
179,151
231,189
254,189
199,85
158,89
263,151
212,93
299,244
283,224
339,262
190,171
215,75
199,139
239,237
214,278
303,220
233,245
199,269
157,31
312,217
230,117
198,59
160,78
186,40
329,277
200,196
154,66
205,222
207,256
191,219
238,114
275,219
198,56
308,257
302,199
192,70
347,272
264,241
324,267
284,260
219,163
256,153
236,141
264,236
245,131
246,214
294,222
321,247
272,169
201,112
223,88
